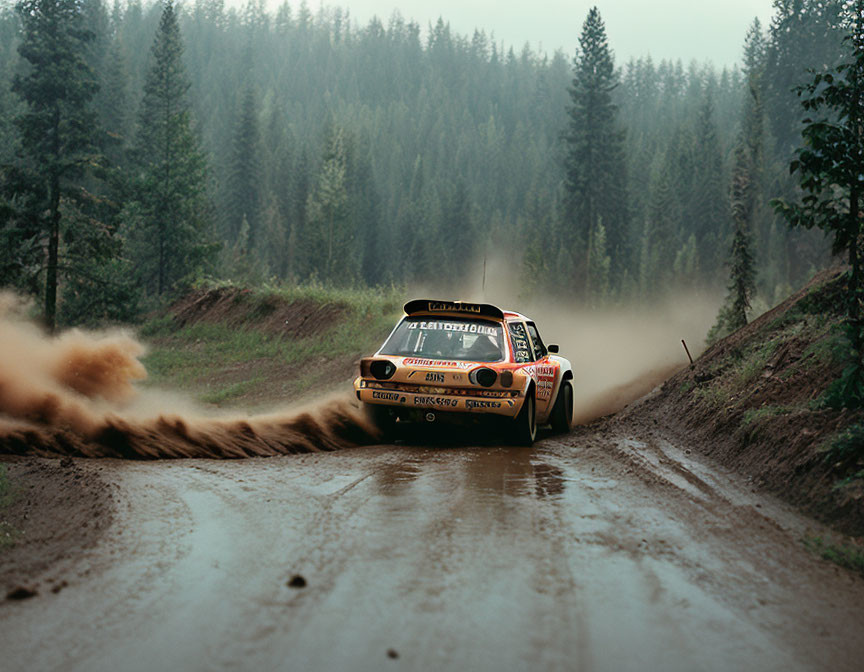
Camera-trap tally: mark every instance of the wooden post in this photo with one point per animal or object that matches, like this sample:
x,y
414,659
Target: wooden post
x,y
687,350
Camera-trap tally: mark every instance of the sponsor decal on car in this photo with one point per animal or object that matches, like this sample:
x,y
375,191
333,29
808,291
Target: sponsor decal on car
x,y
387,396
436,401
466,327
545,381
449,307
470,403
415,361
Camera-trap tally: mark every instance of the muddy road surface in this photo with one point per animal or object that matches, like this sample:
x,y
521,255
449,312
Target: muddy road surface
x,y
608,549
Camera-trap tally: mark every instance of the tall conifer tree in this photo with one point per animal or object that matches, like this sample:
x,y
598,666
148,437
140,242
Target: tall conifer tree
x,y
330,235
708,211
742,271
244,180
169,211
596,173
56,134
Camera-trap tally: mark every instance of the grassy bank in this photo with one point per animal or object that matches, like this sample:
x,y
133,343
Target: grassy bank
x,y
756,401
254,347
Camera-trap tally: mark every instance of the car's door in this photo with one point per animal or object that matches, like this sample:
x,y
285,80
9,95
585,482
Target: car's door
x,y
525,353
546,370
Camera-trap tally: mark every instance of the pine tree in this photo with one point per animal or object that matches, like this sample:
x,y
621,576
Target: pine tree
x,y
662,233
244,179
114,105
708,206
830,176
168,214
596,173
742,272
56,135
457,232
330,237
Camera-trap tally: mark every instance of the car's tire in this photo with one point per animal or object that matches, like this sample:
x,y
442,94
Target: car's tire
x,y
383,418
561,418
525,424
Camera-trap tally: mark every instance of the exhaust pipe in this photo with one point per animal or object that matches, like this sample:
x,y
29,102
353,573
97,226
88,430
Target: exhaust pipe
x,y
430,417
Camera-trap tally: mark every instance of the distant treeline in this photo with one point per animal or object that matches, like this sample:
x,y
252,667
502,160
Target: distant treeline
x,y
305,147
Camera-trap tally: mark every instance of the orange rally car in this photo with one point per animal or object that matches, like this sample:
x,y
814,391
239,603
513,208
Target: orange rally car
x,y
450,360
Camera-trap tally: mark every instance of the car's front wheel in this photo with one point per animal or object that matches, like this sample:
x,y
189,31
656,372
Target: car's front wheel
x,y
526,423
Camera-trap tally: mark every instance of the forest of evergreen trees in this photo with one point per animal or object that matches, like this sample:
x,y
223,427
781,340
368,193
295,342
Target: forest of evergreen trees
x,y
144,147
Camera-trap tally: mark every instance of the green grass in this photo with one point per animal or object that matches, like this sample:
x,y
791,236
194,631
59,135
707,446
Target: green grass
x,y
206,358
850,557
754,416
231,391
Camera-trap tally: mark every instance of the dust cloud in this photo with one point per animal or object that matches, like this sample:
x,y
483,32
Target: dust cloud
x,y
75,395
619,353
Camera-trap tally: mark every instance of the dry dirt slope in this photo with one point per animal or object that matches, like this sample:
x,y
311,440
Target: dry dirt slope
x,y
753,402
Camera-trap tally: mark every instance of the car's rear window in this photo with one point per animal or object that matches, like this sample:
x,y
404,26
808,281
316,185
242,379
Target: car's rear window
x,y
447,338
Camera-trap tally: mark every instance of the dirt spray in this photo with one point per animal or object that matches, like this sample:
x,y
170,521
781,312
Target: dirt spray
x,y
75,395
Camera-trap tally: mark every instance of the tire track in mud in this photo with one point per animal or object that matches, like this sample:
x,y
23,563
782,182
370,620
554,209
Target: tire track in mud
x,y
742,548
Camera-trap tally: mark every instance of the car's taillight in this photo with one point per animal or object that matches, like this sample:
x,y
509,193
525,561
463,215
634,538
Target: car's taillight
x,y
485,377
382,369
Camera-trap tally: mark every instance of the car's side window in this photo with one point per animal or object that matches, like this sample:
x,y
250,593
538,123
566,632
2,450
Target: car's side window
x,y
539,348
521,345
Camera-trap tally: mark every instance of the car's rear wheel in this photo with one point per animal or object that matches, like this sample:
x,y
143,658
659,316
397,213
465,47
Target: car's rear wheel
x,y
562,412
526,423
383,418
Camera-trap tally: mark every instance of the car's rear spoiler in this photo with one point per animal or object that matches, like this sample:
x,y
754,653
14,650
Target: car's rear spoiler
x,y
433,307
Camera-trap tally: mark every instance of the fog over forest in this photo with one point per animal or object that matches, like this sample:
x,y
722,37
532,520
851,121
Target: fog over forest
x,y
299,145
670,29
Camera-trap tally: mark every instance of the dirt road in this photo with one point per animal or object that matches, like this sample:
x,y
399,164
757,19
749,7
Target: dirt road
x,y
609,549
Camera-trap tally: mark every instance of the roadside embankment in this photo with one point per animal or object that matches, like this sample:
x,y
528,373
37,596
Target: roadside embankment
x,y
754,402
258,347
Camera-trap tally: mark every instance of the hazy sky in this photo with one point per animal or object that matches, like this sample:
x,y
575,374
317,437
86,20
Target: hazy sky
x,y
701,29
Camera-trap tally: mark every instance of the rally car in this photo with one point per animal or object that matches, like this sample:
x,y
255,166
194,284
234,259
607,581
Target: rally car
x,y
452,360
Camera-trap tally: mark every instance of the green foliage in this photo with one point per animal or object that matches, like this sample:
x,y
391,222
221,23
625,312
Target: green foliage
x,y
596,187
755,416
848,390
742,272
845,555
50,224
168,214
243,195
452,150
830,177
200,356
331,236
847,450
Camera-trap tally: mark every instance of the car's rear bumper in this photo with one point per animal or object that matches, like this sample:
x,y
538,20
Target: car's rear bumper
x,y
450,403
